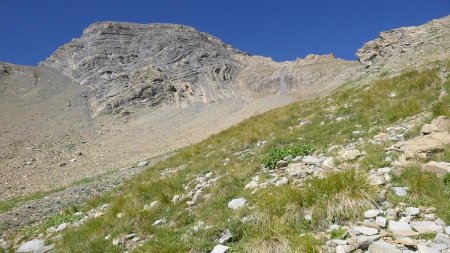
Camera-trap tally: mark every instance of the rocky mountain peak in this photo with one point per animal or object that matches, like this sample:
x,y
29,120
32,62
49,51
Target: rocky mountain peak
x,y
407,46
156,65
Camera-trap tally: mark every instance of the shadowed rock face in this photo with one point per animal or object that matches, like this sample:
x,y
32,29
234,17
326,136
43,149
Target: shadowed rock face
x,y
129,64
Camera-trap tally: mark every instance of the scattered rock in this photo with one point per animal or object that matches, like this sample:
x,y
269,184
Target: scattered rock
x,y
383,247
440,168
413,211
400,191
220,249
401,229
237,203
366,230
143,163
225,236
371,213
439,124
380,221
426,227
350,154
31,246
282,164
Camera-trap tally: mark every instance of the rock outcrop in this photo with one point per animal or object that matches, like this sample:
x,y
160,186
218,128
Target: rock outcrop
x,y
163,64
408,46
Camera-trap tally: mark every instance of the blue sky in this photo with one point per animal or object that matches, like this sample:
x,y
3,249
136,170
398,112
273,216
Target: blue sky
x,y
32,29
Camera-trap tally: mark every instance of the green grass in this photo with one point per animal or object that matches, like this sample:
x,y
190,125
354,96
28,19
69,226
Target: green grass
x,y
426,189
278,223
55,220
271,158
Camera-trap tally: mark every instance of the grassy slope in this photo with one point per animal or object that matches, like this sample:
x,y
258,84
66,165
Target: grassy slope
x,y
277,211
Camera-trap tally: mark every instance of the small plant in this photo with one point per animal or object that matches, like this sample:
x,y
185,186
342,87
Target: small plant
x,y
55,220
427,236
338,233
270,159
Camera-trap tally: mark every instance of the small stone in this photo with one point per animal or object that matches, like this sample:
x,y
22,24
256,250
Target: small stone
x,y
430,216
339,242
375,179
176,198
311,160
61,227
401,229
442,238
341,249
119,215
237,203
282,181
447,230
433,248
226,236
288,158
220,249
371,213
364,240
383,247
384,170
154,204
440,222
348,155
366,230
282,164
31,246
251,185
328,162
406,241
142,163
400,191
380,221
159,222
413,211
426,227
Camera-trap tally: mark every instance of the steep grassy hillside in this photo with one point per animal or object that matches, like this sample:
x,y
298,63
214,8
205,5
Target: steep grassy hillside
x,y
284,218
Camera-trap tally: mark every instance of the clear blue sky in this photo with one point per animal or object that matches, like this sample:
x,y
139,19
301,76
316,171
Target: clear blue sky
x,y
32,29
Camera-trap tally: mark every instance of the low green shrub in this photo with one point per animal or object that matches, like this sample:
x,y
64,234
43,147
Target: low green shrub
x,y
271,158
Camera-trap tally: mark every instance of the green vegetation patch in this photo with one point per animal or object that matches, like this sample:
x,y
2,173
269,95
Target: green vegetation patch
x,y
271,158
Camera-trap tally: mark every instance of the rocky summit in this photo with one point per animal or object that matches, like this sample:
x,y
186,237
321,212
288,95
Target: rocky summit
x,y
128,64
162,138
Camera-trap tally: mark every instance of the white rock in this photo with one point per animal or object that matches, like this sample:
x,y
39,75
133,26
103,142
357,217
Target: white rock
x,y
365,240
380,221
154,204
251,185
31,246
159,222
237,203
296,170
433,248
61,227
383,247
311,160
430,216
412,211
400,191
350,154
297,159
401,229
384,170
339,242
288,158
426,227
328,162
220,249
142,163
375,179
447,230
366,230
176,198
440,222
340,249
371,213
282,181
